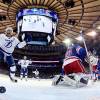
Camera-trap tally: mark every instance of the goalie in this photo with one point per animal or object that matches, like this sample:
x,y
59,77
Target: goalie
x,y
73,68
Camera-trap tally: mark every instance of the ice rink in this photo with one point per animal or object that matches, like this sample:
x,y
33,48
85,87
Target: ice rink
x,y
43,90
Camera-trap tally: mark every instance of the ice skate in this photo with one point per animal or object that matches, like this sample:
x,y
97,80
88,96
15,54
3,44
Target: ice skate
x,y
13,79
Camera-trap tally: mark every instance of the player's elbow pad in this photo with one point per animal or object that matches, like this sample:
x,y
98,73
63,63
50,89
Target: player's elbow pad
x,y
21,44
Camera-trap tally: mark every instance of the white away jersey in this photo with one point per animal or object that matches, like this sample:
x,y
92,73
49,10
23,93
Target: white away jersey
x,y
24,63
36,73
93,60
8,44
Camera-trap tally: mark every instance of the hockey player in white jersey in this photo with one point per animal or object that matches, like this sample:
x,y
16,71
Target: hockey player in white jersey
x,y
36,72
8,42
24,70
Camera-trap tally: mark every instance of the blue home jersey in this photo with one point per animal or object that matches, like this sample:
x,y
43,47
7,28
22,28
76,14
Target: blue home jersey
x,y
76,50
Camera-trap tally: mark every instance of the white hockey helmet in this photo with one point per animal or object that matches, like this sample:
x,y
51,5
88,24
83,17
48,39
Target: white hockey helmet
x,y
25,57
9,30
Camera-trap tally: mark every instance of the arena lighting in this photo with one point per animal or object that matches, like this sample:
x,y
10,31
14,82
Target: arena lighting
x,y
7,1
92,33
71,21
2,18
1,10
79,38
98,27
69,3
67,41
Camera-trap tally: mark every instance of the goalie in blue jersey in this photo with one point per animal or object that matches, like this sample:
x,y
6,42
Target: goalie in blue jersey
x,y
72,68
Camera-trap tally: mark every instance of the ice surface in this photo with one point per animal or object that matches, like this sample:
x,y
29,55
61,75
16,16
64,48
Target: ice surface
x,y
42,89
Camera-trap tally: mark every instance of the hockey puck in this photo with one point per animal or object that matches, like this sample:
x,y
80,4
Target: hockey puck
x,y
13,80
2,89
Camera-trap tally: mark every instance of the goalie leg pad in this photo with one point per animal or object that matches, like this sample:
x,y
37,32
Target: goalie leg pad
x,y
57,79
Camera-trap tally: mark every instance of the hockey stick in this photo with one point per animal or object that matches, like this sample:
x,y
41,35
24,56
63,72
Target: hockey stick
x,y
90,67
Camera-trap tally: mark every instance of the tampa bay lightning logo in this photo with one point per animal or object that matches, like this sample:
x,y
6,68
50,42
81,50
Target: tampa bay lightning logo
x,y
8,43
24,62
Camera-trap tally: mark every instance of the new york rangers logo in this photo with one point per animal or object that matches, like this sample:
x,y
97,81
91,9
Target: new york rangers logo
x,y
78,49
68,53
